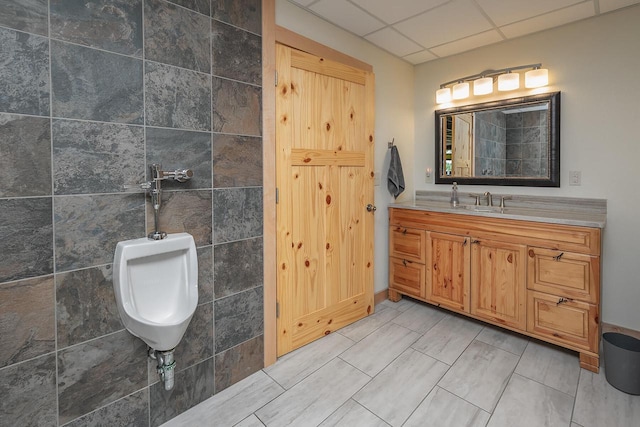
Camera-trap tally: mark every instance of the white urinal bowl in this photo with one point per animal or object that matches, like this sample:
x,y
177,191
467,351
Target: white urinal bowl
x,y
156,287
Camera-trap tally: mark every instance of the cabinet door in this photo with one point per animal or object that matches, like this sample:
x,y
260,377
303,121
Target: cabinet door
x,y
563,320
406,276
498,282
448,264
407,243
568,274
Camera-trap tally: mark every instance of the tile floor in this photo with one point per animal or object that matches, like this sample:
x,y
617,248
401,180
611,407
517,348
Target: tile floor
x,y
411,364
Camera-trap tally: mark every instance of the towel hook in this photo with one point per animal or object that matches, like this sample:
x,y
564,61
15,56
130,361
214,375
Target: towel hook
x,y
391,143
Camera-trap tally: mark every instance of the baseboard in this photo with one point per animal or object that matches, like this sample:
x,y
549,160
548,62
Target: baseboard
x,y
380,296
606,327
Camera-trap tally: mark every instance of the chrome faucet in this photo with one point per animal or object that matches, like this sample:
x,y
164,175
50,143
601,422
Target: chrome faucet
x,y
489,198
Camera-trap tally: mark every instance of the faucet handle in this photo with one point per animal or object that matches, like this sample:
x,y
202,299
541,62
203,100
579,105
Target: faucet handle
x,y
477,196
502,199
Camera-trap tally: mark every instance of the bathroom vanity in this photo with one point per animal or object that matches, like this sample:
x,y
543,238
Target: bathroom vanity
x,y
532,267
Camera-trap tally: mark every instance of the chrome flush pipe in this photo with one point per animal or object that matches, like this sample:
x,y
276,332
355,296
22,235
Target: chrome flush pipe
x,y
166,366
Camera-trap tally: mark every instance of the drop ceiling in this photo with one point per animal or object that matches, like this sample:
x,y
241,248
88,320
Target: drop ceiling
x,y
423,30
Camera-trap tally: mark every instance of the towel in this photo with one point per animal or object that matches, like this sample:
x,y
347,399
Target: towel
x,y
395,177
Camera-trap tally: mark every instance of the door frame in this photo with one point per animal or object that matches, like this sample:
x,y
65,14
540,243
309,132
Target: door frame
x,y
272,33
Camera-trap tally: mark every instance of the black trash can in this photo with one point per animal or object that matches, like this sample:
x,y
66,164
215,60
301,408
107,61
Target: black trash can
x,y
622,362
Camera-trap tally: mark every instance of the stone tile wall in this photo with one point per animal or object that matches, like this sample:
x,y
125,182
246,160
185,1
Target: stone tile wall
x,y
91,92
490,143
528,145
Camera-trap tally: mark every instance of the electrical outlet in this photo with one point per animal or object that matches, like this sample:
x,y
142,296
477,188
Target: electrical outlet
x,y
575,177
376,179
427,176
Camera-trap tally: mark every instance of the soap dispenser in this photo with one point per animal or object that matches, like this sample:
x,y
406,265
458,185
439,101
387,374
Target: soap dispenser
x,y
454,195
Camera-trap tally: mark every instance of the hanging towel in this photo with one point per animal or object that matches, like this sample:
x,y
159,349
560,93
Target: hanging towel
x,y
395,177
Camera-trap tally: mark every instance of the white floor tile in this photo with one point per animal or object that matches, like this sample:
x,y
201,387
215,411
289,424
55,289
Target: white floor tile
x,y
526,403
503,339
250,421
295,366
598,403
443,409
398,390
352,414
379,348
402,305
420,318
360,329
480,375
550,365
231,405
316,397
448,339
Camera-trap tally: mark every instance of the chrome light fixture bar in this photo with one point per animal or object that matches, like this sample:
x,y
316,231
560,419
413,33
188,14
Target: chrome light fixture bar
x,y
483,82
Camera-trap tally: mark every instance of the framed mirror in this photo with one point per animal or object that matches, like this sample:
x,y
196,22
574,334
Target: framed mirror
x,y
508,142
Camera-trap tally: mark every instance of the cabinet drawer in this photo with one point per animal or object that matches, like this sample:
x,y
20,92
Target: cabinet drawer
x,y
407,277
570,275
564,321
407,243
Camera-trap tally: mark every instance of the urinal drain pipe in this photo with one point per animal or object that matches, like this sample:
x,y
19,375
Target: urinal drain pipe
x,y
166,367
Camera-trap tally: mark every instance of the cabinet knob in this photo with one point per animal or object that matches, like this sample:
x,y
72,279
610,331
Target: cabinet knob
x,y
557,257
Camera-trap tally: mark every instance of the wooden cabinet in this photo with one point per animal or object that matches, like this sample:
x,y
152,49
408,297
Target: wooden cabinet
x,y
542,280
498,282
448,270
406,262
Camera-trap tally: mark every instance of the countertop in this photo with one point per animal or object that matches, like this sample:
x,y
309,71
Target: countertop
x,y
567,213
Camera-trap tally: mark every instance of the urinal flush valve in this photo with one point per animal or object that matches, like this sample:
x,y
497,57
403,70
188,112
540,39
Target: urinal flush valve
x,y
166,366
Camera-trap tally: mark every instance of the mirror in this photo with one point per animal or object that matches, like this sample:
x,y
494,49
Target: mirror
x,y
509,142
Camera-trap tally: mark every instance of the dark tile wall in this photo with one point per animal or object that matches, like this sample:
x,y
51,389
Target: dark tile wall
x,y
528,145
91,93
490,136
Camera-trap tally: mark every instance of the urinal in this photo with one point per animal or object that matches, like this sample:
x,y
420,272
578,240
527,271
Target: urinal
x,y
156,287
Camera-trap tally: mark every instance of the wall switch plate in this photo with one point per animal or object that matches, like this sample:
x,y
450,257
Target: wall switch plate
x,y
575,177
376,179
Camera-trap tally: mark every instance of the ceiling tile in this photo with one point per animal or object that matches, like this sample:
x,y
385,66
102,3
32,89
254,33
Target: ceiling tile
x,y
399,10
467,43
504,12
609,5
550,20
420,57
393,42
452,21
346,15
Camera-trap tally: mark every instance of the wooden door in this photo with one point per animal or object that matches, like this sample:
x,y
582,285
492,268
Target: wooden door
x,y
324,176
498,282
448,264
463,145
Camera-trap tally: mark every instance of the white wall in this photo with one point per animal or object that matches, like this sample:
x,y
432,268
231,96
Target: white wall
x,y
596,65
394,112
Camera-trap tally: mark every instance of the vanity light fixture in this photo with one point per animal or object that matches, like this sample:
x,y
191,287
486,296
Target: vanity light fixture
x,y
483,82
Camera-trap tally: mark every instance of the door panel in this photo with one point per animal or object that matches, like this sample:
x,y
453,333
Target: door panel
x,y
498,283
448,270
324,139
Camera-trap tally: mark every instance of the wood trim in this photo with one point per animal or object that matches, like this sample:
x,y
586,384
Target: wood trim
x,y
296,41
380,296
269,177
304,157
607,327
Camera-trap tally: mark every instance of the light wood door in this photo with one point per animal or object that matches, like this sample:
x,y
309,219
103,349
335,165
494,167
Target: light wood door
x,y
463,145
324,176
448,268
498,282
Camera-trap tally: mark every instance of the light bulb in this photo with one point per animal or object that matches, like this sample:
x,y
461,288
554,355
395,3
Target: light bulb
x,y
536,78
461,90
483,86
443,95
508,81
